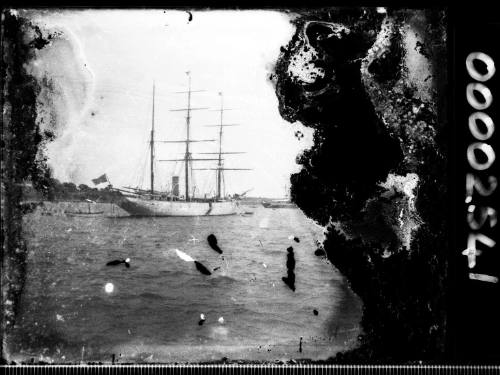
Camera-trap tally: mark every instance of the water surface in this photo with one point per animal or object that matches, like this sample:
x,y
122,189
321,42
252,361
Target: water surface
x,y
153,313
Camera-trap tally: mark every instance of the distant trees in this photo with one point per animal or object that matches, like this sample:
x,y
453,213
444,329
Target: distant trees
x,y
69,187
68,191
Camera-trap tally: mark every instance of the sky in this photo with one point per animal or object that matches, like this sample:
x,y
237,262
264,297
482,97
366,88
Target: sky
x,y
102,68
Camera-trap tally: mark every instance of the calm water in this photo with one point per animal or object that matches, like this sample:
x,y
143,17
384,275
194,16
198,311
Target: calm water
x,y
152,315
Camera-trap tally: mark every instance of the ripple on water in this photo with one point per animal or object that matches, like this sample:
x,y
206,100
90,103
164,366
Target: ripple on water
x,y
155,306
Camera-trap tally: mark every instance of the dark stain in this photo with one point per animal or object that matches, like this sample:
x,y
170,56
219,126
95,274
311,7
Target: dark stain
x,y
212,241
349,139
353,151
200,267
117,262
22,147
289,280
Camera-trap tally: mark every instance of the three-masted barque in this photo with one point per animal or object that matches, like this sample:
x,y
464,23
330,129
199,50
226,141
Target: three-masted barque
x,y
141,202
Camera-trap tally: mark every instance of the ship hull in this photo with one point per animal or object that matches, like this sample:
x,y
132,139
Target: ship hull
x,y
143,207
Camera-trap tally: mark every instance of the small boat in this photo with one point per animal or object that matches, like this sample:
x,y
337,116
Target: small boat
x,y
280,203
277,203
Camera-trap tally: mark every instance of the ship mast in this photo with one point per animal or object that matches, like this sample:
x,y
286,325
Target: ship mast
x,y
188,159
219,164
187,156
152,143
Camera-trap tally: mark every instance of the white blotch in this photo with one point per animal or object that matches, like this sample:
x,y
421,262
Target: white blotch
x,y
202,316
60,318
69,229
129,332
481,277
264,223
404,184
418,67
109,287
381,10
127,260
218,332
69,101
291,237
400,219
301,69
221,320
184,256
264,265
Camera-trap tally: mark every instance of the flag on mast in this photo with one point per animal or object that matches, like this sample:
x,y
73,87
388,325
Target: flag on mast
x,y
100,179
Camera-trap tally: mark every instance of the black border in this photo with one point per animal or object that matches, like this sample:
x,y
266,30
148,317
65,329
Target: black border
x,y
481,345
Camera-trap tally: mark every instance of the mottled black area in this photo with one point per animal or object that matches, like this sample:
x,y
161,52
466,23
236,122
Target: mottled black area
x,y
22,151
200,267
212,241
350,138
383,68
315,312
354,151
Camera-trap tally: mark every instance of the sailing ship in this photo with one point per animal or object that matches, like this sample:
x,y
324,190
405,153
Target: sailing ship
x,y
141,202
